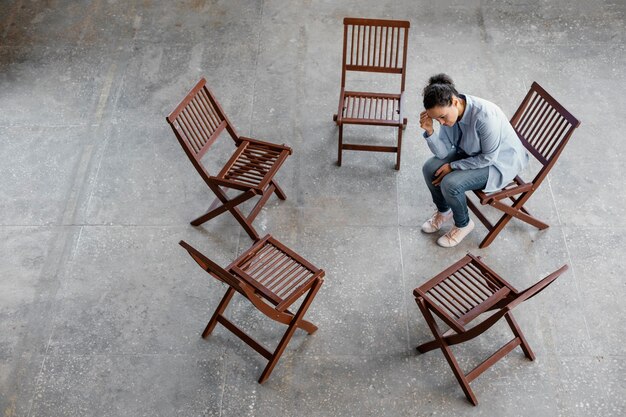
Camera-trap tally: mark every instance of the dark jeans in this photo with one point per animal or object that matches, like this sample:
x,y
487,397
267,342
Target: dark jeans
x,y
450,193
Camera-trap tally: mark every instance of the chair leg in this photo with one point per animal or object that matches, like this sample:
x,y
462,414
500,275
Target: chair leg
x,y
447,352
305,325
428,346
522,209
218,312
399,152
216,202
340,145
259,205
458,373
230,205
519,214
515,210
518,333
479,214
245,224
495,231
289,333
226,205
279,191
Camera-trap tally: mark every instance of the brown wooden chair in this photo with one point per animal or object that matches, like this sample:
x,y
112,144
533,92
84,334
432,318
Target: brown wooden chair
x,y
544,127
378,46
459,295
197,123
272,277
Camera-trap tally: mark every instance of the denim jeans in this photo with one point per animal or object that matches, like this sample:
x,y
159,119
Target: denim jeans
x,y
450,193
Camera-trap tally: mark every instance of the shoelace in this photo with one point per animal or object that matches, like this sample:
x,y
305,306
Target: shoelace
x,y
451,234
437,219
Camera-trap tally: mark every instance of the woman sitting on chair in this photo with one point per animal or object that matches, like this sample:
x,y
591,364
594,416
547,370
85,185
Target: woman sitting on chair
x,y
476,148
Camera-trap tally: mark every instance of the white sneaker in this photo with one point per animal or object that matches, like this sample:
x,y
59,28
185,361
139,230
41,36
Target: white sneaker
x,y
455,235
436,221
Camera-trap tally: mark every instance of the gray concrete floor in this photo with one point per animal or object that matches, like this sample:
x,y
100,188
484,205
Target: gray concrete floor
x,y
100,309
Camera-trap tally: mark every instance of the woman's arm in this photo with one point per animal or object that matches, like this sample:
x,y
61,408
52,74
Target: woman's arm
x,y
489,135
438,142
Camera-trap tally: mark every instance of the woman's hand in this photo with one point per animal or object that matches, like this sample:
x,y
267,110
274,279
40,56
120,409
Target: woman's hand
x,y
426,123
443,170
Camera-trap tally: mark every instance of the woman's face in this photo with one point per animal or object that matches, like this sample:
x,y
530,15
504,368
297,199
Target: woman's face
x,y
447,115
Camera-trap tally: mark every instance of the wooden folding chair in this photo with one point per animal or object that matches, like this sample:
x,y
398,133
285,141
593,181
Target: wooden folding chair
x,y
544,127
378,46
197,123
272,277
460,294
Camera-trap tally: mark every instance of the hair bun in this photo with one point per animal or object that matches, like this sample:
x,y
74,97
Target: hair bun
x,y
439,91
440,79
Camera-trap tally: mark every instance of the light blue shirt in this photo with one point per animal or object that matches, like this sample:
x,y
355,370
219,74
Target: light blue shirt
x,y
486,136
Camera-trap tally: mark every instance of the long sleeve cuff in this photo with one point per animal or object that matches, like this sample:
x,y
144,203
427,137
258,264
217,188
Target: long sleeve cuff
x,y
437,146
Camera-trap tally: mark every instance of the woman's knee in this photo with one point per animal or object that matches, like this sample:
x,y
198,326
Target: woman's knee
x,y
451,186
430,166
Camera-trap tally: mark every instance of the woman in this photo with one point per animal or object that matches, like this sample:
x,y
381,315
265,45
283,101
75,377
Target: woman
x,y
476,148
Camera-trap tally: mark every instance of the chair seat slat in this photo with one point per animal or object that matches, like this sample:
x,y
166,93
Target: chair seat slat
x,y
387,110
243,164
253,258
276,265
299,272
458,296
284,264
436,295
266,258
467,296
282,274
450,298
472,287
485,277
474,296
295,284
479,280
258,287
245,176
285,276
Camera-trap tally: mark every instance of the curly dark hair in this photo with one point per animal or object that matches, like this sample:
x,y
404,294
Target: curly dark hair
x,y
439,91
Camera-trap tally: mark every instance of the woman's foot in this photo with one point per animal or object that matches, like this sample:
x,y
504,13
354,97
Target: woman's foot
x,y
455,235
437,220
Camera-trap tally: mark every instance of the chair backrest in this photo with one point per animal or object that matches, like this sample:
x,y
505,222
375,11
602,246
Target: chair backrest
x,y
536,288
544,126
198,121
214,269
374,45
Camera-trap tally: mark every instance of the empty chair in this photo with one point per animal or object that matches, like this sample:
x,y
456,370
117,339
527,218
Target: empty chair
x,y
544,127
197,123
272,277
379,46
461,293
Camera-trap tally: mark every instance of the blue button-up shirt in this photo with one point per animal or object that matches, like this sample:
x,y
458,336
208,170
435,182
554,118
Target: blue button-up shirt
x,y
486,136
